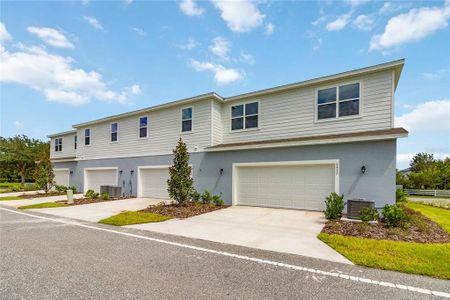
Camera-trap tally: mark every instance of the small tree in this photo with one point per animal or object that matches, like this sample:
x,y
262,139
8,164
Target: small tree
x,y
180,181
43,174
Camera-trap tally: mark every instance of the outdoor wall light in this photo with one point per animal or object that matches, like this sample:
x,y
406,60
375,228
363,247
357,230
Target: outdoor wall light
x,y
120,172
131,172
71,172
221,171
363,169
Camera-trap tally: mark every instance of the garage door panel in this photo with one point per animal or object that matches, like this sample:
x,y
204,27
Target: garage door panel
x,y
293,186
153,183
61,177
95,178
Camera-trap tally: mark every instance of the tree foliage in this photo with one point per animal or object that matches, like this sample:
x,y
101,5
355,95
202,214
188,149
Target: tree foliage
x,y
43,174
180,182
18,156
426,172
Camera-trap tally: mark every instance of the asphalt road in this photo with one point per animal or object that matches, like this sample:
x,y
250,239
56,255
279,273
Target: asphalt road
x,y
64,259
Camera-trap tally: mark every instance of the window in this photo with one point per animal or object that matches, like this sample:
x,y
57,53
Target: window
x,y
340,101
186,119
114,129
58,144
244,116
75,141
143,127
87,136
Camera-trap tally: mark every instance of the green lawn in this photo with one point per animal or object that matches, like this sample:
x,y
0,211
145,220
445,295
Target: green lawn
x,y
415,258
439,215
44,205
10,198
428,197
134,217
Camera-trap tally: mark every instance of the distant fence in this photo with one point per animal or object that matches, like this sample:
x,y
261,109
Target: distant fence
x,y
435,193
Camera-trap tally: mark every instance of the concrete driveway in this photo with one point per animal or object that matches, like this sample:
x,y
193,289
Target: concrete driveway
x,y
17,203
94,212
281,230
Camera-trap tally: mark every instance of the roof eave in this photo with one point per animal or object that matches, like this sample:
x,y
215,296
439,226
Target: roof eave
x,y
61,133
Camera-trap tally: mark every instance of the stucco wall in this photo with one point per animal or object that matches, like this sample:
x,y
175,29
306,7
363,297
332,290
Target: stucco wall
x,y
378,183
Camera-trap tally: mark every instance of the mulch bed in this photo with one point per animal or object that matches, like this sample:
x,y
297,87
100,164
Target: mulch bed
x,y
190,209
82,201
39,195
421,230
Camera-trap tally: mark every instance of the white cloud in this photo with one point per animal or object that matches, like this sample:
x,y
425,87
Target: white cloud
x,y
190,8
139,31
363,22
355,3
18,124
51,36
85,2
247,58
94,22
390,7
339,23
128,2
135,89
441,73
191,44
56,78
431,116
220,47
240,16
4,34
412,26
222,75
318,44
269,28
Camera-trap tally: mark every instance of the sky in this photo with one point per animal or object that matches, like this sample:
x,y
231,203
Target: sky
x,y
68,62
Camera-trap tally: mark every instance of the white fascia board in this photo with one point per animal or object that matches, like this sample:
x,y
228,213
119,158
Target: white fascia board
x,y
61,133
308,143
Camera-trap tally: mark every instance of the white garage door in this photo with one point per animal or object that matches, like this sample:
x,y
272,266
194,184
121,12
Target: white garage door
x,y
153,182
286,186
94,178
61,176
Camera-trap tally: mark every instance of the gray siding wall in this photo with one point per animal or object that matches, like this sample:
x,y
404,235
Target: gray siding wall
x,y
378,183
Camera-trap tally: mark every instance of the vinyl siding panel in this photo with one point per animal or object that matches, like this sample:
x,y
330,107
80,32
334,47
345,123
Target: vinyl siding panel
x,y
292,113
216,125
164,130
68,147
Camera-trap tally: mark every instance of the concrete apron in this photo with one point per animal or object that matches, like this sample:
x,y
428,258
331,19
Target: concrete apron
x,y
17,203
280,230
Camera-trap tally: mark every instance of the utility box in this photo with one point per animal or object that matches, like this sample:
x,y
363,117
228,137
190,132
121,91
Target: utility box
x,y
113,191
69,196
354,206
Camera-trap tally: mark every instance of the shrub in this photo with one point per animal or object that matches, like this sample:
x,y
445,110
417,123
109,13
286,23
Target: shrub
x,y
105,196
206,197
91,194
217,200
60,188
334,206
43,174
195,196
369,214
394,216
73,188
31,187
400,195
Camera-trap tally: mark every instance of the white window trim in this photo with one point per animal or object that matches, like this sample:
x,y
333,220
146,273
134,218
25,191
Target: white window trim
x,y
192,120
139,127
111,132
243,116
337,118
90,137
57,144
235,166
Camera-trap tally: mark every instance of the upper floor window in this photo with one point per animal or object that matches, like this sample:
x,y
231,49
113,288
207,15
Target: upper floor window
x,y
114,130
244,116
143,127
186,119
58,144
339,101
87,136
75,141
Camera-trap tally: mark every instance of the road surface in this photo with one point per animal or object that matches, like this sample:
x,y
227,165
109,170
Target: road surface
x,y
44,257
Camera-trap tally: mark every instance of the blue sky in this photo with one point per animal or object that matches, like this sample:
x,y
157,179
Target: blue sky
x,y
68,62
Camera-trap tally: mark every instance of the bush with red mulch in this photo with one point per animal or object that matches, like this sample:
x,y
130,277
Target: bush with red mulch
x,y
187,210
